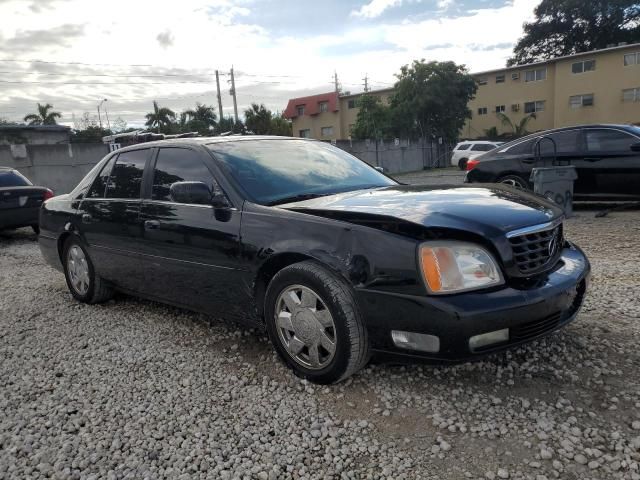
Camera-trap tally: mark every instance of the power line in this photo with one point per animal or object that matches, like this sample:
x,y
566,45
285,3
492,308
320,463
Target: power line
x,y
26,72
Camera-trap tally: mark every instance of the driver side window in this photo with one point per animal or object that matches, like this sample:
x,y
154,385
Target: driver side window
x,y
179,165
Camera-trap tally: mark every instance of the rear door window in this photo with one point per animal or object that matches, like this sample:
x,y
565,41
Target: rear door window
x,y
12,178
100,183
521,148
482,147
178,165
607,140
566,142
464,146
126,178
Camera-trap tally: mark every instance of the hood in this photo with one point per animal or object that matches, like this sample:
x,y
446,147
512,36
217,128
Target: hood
x,y
485,209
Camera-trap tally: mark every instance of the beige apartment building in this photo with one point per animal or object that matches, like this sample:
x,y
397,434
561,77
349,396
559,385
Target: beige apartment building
x,y
601,86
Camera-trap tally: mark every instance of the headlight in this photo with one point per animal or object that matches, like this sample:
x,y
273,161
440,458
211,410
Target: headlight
x,y
451,267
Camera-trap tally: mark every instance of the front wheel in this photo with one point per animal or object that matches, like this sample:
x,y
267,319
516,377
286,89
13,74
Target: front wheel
x,y
84,284
515,181
314,323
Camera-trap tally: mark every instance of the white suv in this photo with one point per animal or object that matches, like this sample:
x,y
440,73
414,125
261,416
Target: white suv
x,y
465,150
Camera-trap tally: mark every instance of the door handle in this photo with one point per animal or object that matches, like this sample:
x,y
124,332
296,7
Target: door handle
x,y
592,159
151,224
528,160
86,218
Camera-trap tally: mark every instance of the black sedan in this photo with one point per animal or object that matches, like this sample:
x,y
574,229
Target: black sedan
x,y
20,200
336,260
606,158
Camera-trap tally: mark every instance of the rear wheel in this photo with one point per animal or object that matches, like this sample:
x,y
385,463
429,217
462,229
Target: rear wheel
x,y
314,323
36,229
515,181
82,280
462,163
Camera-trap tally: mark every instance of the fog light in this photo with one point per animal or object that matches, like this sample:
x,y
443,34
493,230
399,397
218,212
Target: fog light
x,y
416,341
489,338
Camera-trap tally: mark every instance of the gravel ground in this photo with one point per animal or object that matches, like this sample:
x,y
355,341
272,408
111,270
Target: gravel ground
x,y
134,389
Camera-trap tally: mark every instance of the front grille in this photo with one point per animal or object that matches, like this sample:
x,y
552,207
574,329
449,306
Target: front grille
x,y
534,251
535,328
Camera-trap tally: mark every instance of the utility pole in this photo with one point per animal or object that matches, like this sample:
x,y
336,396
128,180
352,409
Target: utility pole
x,y
366,83
335,81
99,117
219,97
106,113
233,92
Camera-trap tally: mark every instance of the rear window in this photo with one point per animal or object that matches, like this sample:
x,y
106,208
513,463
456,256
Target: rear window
x,y
524,147
13,178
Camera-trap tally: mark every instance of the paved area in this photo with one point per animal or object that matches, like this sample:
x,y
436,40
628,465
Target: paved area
x,y
134,389
446,176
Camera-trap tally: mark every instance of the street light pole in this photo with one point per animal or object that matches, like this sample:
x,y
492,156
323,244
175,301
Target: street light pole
x,y
99,117
106,113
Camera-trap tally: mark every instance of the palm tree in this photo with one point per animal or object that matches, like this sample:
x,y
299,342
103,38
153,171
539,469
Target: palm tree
x,y
44,116
160,117
258,119
518,129
203,113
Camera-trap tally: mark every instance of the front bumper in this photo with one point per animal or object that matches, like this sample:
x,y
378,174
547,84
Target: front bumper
x,y
529,311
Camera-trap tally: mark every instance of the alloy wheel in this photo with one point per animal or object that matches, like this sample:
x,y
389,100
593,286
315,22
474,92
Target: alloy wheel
x,y
305,327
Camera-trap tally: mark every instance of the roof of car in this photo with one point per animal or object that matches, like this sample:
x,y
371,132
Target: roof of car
x,y
211,140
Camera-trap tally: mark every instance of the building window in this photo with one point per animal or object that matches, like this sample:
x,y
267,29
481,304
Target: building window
x,y
631,95
482,111
578,101
500,78
300,110
306,133
533,107
351,104
483,80
535,75
323,107
499,108
585,66
326,131
632,59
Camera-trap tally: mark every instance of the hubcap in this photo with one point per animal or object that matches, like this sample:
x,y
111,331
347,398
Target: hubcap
x,y
78,270
513,182
305,327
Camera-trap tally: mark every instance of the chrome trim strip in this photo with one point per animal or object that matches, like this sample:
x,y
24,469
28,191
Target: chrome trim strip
x,y
536,228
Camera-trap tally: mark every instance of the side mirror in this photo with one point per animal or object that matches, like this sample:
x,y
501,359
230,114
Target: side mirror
x,y
191,192
635,147
380,169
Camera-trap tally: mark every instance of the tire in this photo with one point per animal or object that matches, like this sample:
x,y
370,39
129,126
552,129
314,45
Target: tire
x,y
308,321
36,229
515,181
462,163
97,290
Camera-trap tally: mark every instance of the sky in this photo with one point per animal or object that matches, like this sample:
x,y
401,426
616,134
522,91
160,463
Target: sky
x,y
75,53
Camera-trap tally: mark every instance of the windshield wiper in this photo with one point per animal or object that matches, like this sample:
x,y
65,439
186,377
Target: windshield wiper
x,y
297,198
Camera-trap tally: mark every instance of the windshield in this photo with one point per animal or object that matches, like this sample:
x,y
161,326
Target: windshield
x,y
11,178
278,171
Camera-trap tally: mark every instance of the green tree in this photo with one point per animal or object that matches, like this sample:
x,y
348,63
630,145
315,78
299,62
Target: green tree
x,y
201,119
372,120
91,134
162,118
280,126
229,125
564,27
518,129
431,99
257,119
44,116
492,133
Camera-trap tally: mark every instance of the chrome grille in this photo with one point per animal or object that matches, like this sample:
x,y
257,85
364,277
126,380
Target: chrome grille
x,y
532,251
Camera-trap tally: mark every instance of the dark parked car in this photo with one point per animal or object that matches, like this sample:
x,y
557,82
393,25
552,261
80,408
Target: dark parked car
x,y
335,259
20,200
606,157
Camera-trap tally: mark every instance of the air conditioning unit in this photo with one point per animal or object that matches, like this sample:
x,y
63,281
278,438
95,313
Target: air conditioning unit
x,y
515,76
515,107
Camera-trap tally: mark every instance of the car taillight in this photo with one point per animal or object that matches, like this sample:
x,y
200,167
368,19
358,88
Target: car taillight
x,y
472,163
48,194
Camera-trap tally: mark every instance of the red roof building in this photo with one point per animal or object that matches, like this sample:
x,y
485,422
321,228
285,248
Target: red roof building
x,y
312,105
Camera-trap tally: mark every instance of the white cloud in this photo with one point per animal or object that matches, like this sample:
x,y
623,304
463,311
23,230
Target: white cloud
x,y
444,4
215,34
375,8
